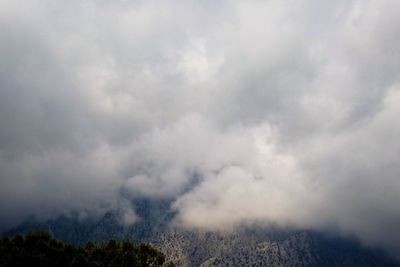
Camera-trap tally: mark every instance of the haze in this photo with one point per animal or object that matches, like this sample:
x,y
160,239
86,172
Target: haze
x,y
243,112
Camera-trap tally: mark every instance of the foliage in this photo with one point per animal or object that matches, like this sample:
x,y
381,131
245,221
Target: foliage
x,y
38,248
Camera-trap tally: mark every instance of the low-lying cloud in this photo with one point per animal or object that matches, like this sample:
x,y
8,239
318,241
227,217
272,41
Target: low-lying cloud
x,y
266,112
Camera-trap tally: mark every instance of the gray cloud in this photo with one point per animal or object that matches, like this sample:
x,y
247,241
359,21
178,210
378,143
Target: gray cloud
x,y
267,112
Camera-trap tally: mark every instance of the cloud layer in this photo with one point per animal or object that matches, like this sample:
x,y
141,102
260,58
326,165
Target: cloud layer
x,y
267,112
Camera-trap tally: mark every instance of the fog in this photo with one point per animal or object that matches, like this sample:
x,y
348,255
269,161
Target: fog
x,y
243,112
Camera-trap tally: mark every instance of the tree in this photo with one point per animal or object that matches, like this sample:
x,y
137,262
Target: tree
x,y
39,248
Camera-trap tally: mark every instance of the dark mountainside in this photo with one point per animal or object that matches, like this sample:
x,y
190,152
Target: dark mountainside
x,y
246,247
39,248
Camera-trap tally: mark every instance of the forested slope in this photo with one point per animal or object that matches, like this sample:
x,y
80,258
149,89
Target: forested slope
x,y
38,248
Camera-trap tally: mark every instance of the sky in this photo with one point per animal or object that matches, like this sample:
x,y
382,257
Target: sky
x,y
242,112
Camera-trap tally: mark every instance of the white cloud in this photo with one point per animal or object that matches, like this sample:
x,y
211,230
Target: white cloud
x,y
265,112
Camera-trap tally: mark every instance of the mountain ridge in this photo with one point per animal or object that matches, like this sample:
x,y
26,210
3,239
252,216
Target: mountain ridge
x,y
247,246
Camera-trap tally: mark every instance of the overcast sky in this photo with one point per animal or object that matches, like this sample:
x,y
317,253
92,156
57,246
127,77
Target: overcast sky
x,y
244,112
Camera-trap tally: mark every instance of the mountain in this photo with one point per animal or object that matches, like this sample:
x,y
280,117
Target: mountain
x,y
245,247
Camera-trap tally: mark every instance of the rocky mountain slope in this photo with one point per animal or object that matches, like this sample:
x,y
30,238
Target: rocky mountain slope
x,y
245,247
255,248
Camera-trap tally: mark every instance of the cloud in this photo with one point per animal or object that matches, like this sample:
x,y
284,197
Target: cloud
x,y
267,112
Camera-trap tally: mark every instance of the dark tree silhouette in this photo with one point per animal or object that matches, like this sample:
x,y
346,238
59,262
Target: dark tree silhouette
x,y
38,248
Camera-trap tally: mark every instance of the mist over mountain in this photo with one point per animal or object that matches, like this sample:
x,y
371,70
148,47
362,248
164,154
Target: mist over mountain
x,y
235,113
246,246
